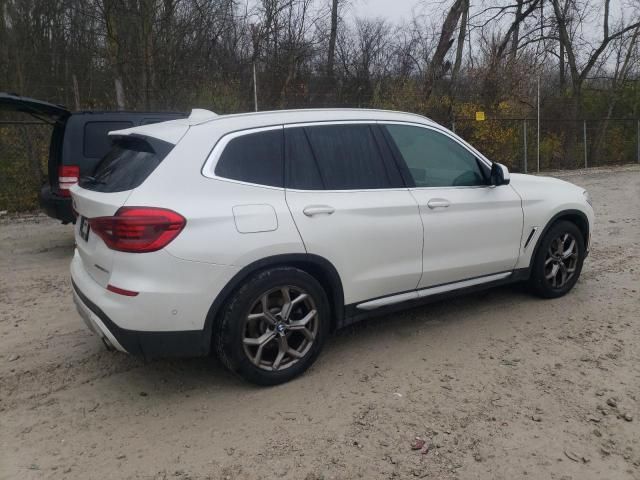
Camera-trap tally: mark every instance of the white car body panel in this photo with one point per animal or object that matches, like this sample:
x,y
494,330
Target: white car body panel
x,y
174,294
373,238
542,199
477,234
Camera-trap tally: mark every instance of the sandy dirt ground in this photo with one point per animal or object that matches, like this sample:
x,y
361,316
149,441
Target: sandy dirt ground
x,y
500,385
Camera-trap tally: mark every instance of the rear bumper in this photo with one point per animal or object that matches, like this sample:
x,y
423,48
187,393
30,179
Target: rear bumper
x,y
56,206
186,343
166,318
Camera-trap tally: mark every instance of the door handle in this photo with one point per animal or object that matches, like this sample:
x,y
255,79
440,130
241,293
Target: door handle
x,y
438,203
312,210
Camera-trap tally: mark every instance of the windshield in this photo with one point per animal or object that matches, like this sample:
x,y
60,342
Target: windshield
x,y
129,162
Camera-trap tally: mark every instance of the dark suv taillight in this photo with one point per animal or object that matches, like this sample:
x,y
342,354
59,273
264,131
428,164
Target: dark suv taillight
x,y
68,175
138,229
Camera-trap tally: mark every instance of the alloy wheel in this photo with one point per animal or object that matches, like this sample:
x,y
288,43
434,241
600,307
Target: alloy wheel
x,y
280,328
561,260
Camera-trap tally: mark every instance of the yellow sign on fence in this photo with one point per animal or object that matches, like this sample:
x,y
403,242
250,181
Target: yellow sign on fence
x,y
479,116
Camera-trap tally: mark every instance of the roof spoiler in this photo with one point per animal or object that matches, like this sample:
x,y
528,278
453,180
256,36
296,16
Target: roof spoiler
x,y
199,115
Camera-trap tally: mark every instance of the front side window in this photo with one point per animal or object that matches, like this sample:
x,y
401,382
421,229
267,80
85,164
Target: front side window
x,y
254,158
347,157
435,160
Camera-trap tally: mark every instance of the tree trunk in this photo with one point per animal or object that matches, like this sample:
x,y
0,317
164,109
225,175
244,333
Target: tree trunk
x,y
113,50
121,103
515,39
331,55
437,67
333,34
462,32
563,78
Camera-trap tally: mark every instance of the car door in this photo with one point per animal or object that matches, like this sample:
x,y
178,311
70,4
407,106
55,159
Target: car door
x,y
471,229
351,207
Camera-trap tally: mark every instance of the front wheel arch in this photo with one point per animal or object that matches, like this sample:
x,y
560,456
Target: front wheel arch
x,y
574,216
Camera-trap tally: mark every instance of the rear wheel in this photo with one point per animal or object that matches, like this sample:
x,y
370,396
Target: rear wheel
x,y
274,326
558,261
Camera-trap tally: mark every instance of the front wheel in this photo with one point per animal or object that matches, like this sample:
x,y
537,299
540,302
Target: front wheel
x,y
274,326
558,261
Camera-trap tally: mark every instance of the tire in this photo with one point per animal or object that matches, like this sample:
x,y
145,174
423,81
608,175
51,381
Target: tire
x,y
249,341
548,260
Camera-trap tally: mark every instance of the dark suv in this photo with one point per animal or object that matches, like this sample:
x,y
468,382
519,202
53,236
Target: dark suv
x,y
78,141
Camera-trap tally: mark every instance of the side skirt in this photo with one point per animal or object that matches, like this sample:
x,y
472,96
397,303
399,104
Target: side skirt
x,y
353,314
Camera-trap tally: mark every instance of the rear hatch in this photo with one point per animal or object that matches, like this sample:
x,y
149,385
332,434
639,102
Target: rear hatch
x,y
39,109
98,200
54,115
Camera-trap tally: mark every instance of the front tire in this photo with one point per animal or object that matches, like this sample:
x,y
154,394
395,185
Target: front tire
x,y
558,260
274,326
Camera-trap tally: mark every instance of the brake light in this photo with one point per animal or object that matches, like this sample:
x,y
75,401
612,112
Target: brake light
x,y
138,229
68,175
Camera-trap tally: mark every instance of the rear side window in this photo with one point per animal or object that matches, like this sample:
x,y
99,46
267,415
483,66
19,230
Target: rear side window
x,y
347,157
96,141
254,158
302,168
129,162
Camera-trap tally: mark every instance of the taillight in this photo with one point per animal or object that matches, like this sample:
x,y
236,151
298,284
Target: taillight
x,y
138,229
67,176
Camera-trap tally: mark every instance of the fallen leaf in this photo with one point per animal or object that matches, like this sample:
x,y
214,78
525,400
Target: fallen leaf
x,y
418,443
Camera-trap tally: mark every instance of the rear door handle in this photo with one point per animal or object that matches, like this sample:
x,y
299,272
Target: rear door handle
x,y
438,203
312,210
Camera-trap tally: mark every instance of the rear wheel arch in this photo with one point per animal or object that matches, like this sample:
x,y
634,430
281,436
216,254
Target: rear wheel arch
x,y
574,216
318,267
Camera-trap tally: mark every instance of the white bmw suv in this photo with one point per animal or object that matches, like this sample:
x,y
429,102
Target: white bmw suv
x,y
255,235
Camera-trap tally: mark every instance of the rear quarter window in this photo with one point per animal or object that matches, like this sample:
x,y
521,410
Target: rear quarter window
x,y
254,158
96,142
127,164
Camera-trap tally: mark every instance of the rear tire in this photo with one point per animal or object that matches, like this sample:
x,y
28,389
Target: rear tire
x,y
558,261
273,328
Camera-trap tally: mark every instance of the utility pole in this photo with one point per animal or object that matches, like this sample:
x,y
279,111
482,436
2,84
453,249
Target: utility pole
x,y
524,126
255,88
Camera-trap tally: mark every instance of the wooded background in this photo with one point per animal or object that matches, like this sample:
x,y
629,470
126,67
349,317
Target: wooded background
x,y
451,59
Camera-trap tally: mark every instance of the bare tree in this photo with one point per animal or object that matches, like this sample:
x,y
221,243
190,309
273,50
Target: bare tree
x,y
580,72
437,66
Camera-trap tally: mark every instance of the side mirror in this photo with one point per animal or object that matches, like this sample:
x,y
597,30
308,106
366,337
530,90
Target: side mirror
x,y
499,175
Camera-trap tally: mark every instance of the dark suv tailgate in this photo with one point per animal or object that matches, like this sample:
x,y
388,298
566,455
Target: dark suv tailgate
x,y
16,103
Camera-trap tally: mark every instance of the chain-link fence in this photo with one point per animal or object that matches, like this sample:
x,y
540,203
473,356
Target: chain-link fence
x,y
24,149
563,144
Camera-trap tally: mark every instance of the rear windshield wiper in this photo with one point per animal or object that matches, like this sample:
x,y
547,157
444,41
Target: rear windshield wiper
x,y
92,180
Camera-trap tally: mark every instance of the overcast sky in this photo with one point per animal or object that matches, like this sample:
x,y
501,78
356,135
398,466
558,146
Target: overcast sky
x,y
393,10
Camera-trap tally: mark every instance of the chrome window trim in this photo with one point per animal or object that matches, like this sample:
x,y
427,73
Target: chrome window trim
x,y
209,167
321,123
446,133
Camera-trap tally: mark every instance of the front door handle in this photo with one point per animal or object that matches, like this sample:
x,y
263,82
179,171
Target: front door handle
x,y
312,210
438,203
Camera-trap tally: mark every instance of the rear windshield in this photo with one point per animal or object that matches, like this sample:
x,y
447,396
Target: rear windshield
x,y
129,162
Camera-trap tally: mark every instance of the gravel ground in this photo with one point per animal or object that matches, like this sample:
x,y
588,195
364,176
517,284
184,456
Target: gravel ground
x,y
499,384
